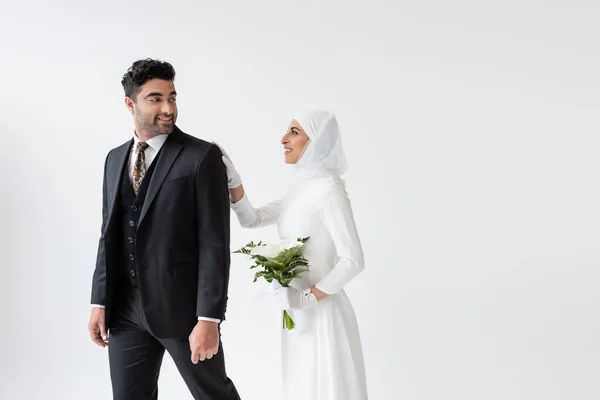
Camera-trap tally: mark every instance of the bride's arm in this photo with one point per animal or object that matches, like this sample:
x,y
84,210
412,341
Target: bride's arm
x,y
248,216
338,218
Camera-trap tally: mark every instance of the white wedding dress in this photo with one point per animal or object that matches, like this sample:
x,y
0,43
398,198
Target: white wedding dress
x,y
322,356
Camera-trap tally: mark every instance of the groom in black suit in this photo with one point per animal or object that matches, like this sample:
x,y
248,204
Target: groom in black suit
x,y
162,269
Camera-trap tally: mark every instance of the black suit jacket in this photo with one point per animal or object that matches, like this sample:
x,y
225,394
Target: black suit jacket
x,y
182,245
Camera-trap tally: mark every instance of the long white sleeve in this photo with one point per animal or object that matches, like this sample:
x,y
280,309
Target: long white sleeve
x,y
250,217
338,218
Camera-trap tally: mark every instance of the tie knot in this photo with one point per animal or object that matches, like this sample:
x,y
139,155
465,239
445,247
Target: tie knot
x,y
142,146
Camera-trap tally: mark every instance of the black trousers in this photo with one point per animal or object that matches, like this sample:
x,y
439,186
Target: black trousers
x,y
135,357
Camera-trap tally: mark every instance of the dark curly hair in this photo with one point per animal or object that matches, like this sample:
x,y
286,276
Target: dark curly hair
x,y
142,71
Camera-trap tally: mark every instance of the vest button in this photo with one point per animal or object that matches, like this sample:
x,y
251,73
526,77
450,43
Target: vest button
x,y
131,223
131,257
134,208
132,272
130,239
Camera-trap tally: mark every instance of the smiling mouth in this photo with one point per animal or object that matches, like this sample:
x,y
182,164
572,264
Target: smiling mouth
x,y
287,150
165,119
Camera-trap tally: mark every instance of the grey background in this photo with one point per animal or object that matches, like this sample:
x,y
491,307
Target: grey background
x,y
471,132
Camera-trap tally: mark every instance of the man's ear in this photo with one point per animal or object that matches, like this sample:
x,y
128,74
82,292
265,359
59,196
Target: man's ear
x,y
129,104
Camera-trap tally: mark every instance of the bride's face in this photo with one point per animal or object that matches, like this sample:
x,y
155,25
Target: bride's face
x,y
293,142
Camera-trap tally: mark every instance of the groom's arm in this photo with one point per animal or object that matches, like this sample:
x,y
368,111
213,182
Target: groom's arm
x,y
99,277
213,218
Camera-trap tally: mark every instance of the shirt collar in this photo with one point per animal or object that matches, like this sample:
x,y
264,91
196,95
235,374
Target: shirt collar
x,y
155,143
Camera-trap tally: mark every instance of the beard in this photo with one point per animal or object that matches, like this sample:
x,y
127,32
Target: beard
x,y
147,123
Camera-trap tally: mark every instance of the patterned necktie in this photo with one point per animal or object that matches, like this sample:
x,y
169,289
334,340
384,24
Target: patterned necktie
x,y
139,170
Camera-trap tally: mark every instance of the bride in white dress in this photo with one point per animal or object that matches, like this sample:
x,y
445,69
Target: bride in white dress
x,y
322,355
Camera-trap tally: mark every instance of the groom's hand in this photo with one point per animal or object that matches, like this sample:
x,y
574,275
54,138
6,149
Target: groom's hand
x,y
204,341
97,327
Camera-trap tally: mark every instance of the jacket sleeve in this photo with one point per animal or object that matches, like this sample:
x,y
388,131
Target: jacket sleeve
x,y
213,224
99,276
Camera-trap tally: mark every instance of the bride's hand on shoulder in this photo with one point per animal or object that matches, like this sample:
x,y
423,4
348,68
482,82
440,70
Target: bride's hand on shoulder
x,y
233,177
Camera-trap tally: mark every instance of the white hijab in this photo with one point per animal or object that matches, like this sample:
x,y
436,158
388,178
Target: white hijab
x,y
323,155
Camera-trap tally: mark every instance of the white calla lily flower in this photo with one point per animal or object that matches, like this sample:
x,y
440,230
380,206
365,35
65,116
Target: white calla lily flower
x,y
269,251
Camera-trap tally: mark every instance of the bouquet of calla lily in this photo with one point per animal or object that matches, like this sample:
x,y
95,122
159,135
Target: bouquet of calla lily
x,y
282,262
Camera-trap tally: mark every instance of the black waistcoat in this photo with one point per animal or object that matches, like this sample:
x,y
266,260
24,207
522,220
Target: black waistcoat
x,y
130,207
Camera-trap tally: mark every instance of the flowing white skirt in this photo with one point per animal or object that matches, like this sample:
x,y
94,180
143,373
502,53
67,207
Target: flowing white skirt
x,y
322,356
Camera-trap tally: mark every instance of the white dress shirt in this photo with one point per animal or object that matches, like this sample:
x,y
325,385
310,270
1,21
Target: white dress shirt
x,y
154,146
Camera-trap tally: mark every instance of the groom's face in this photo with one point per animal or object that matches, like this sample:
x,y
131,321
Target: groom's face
x,y
154,108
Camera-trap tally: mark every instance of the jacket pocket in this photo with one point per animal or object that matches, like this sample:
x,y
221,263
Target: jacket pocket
x,y
175,182
185,270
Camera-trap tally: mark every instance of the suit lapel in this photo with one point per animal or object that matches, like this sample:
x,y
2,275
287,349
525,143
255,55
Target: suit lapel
x,y
114,174
170,151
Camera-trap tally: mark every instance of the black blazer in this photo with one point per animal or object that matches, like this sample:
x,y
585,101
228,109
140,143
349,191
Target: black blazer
x,y
182,245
